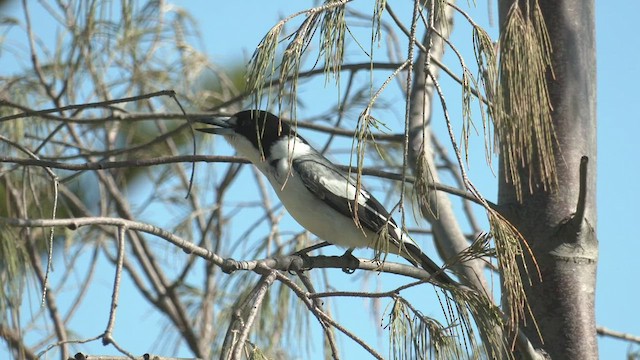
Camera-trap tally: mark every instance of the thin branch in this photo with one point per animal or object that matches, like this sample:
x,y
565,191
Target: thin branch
x,y
331,338
16,342
122,350
99,104
302,295
81,356
106,338
50,301
103,165
279,263
221,159
424,50
54,179
452,168
85,284
258,296
582,195
76,223
34,56
603,331
34,257
66,342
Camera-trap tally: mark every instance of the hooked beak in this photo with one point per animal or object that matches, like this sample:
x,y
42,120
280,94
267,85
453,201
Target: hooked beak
x,y
224,125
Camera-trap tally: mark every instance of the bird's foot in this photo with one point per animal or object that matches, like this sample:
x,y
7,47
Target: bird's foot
x,y
352,262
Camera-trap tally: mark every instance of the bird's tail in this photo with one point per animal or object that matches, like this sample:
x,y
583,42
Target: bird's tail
x,y
408,249
414,255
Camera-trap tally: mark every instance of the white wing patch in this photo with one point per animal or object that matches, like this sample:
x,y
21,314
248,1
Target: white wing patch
x,y
343,187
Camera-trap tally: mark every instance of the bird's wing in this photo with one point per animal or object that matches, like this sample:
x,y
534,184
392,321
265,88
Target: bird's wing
x,y
336,189
339,191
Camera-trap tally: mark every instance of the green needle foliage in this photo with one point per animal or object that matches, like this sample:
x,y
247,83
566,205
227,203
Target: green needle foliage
x,y
522,111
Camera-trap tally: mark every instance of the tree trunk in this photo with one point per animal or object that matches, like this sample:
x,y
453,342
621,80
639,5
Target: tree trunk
x,y
558,227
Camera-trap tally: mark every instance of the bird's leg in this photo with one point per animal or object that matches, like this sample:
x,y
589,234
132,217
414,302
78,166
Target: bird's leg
x,y
354,263
303,253
308,249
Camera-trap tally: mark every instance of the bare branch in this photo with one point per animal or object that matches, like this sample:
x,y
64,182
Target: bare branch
x,y
603,331
106,338
238,330
326,318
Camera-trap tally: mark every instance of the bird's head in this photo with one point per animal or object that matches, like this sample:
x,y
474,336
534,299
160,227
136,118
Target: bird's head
x,y
250,132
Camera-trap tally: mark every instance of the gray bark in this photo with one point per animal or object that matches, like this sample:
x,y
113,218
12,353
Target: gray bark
x,y
559,228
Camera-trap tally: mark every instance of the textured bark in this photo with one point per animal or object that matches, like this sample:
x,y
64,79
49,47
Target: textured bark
x,y
561,236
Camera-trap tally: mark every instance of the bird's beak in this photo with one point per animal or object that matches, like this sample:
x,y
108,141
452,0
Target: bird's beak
x,y
224,125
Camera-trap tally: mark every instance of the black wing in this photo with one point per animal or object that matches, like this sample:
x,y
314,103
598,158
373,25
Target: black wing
x,y
339,191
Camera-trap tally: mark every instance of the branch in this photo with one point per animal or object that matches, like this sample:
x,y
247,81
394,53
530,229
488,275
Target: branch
x,y
603,331
323,317
233,349
436,207
81,356
15,342
76,223
103,165
99,104
330,336
284,263
106,338
582,195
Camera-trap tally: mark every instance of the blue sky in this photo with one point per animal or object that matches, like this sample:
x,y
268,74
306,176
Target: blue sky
x,y
618,171
618,128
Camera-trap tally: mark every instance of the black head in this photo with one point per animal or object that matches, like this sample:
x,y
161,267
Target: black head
x,y
261,128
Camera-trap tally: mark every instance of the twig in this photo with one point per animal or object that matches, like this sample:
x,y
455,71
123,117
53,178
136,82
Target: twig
x,y
331,339
582,195
84,284
81,356
76,223
451,167
106,338
408,108
50,301
34,56
326,318
258,296
99,104
103,165
422,48
54,211
15,341
603,331
220,159
65,342
120,349
43,277
340,111
193,138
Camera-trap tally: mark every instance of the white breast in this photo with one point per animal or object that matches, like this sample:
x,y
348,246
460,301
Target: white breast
x,y
307,209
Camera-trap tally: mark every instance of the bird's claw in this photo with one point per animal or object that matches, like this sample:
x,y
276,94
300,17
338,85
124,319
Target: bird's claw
x,y
352,262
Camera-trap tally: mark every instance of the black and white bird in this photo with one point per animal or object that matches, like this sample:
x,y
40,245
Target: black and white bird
x,y
317,194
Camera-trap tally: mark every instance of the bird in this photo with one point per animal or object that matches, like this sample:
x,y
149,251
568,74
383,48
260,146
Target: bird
x,y
323,199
